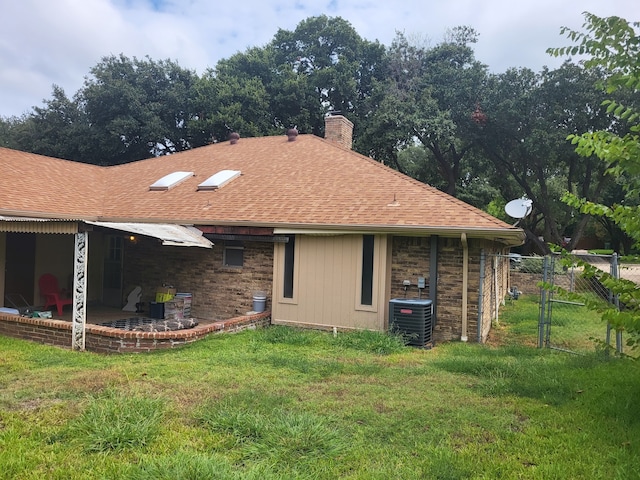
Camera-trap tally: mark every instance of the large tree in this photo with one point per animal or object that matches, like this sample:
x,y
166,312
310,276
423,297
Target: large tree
x,y
127,109
297,78
232,97
338,68
528,117
59,128
138,108
428,101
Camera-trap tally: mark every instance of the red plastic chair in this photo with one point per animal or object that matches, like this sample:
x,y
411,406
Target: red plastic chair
x,y
52,295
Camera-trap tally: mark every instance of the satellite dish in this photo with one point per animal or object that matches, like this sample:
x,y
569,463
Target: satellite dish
x,y
518,208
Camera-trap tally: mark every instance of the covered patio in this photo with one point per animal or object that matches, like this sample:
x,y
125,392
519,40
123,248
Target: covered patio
x,y
103,339
96,285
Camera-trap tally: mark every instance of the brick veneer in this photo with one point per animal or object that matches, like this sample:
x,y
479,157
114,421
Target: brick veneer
x,y
411,259
112,340
219,292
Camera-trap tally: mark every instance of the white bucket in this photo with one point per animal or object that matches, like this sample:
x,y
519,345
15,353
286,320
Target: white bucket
x,y
259,302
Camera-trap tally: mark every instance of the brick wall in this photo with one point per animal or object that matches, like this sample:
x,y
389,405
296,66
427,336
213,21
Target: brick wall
x,y
411,259
45,331
494,268
112,340
219,292
339,129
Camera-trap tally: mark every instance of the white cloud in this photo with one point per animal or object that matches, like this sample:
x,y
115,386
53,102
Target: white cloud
x,y
44,42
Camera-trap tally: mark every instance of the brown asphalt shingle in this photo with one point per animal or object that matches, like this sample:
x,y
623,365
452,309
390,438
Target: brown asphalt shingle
x,y
307,182
35,184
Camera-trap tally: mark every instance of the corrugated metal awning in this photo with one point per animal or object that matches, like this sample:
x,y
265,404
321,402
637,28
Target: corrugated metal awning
x,y
177,235
37,225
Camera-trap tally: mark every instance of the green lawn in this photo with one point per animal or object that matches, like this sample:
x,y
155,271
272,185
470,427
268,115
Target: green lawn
x,y
574,327
287,404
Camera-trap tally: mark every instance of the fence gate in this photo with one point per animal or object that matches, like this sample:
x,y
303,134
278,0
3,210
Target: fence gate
x,y
570,279
561,324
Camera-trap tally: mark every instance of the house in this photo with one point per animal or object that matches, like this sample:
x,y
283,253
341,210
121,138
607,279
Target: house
x,y
329,235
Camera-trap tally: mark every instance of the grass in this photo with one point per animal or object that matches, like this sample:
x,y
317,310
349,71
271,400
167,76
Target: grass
x,y
282,403
573,327
115,421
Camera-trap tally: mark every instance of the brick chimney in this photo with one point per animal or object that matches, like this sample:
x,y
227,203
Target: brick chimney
x,y
338,129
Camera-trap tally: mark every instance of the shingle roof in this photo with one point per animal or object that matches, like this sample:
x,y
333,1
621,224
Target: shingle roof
x,y
310,182
48,186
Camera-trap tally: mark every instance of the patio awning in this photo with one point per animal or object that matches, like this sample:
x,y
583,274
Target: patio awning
x,y
177,235
37,225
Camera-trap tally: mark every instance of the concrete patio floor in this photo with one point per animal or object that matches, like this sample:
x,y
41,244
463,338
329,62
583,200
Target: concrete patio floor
x,y
97,314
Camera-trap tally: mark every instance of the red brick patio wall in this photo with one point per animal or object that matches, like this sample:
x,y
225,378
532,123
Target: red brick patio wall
x,y
112,340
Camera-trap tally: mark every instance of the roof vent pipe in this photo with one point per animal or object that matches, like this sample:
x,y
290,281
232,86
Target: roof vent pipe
x,y
292,133
234,137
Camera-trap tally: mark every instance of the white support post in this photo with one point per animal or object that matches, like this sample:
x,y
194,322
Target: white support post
x,y
80,290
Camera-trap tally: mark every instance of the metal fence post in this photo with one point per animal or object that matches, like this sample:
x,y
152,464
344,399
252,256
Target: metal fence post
x,y
543,302
615,273
550,278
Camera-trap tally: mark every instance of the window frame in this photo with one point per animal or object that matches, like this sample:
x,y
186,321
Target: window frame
x,y
372,271
290,249
235,246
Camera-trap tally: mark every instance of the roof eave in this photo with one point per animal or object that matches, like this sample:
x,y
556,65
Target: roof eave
x,y
507,236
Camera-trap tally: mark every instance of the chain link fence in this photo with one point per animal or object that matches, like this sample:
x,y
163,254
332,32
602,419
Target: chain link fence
x,y
564,322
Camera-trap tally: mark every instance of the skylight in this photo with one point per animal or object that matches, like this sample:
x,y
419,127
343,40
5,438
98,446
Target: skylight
x,y
170,181
219,179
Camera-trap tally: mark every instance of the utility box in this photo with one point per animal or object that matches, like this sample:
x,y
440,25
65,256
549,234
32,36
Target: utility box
x,y
412,318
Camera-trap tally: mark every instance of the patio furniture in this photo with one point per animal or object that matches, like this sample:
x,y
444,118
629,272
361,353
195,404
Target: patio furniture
x,y
52,294
18,302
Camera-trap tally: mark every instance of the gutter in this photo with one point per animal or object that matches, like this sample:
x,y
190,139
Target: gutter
x,y
508,236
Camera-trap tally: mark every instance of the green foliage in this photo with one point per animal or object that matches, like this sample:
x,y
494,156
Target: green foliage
x,y
629,258
129,109
601,251
529,117
428,97
138,108
613,44
610,42
114,421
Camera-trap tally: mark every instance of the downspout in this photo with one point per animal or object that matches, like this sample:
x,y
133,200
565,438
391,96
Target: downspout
x,y
465,285
481,296
433,277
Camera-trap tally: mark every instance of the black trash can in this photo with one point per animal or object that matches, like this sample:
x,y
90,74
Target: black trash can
x,y
156,310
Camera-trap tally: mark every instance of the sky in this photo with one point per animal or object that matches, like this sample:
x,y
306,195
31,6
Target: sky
x,y
47,42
